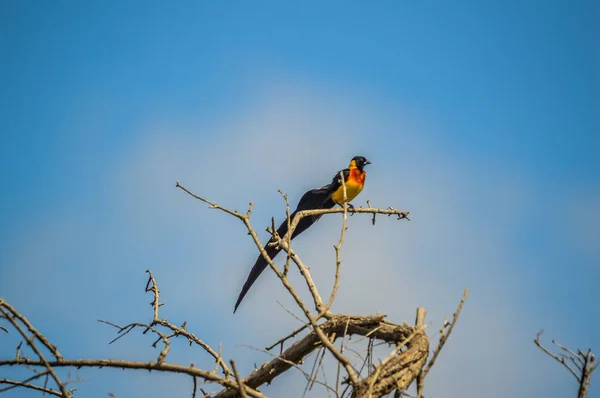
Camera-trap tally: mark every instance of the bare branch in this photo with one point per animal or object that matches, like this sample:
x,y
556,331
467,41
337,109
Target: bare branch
x,y
123,364
338,325
26,381
283,242
240,382
15,383
445,332
391,356
216,206
152,286
52,348
400,368
573,355
338,247
396,371
584,362
560,360
390,211
289,336
11,314
288,237
445,336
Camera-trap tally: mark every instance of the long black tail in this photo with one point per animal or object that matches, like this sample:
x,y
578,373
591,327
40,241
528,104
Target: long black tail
x,y
272,251
313,199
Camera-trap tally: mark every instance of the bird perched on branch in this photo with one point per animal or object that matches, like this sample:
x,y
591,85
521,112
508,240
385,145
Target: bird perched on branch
x,y
325,197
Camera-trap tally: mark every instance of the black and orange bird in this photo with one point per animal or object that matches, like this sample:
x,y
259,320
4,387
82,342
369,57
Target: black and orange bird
x,y
325,197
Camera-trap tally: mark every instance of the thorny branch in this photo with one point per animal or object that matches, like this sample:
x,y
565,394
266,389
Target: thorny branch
x,y
159,365
397,371
337,327
9,313
322,310
151,286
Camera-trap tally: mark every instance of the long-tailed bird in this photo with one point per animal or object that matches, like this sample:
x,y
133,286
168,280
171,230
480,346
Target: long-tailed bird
x,y
323,198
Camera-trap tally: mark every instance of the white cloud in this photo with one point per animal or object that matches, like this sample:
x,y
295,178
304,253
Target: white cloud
x,y
459,236
392,267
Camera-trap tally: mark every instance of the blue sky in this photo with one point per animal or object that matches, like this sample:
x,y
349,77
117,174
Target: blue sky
x,y
482,120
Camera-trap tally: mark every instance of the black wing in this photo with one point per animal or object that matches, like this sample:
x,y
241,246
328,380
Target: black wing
x,y
336,182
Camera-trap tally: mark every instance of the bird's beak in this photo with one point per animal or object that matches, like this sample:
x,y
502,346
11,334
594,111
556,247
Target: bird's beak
x,y
367,162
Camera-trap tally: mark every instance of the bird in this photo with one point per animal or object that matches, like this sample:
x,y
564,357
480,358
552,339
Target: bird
x,y
325,197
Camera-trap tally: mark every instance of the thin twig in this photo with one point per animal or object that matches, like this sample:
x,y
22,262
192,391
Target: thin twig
x,y
239,380
289,336
290,313
288,220
15,383
338,247
152,286
445,337
292,364
337,377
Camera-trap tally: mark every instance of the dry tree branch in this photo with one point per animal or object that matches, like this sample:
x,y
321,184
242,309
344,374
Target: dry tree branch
x,y
342,347
159,365
445,332
312,287
12,315
15,383
444,336
152,286
288,237
245,218
281,241
338,247
391,356
390,211
26,381
123,364
401,367
584,362
284,243
395,372
340,326
312,320
52,348
240,382
290,313
289,336
292,364
537,342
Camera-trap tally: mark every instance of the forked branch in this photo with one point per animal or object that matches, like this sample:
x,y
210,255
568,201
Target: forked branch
x,y
585,363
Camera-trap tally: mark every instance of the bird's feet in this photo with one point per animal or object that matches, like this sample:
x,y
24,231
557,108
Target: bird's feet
x,y
351,208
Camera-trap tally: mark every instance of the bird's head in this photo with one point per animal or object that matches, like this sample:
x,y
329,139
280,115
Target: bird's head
x,y
359,162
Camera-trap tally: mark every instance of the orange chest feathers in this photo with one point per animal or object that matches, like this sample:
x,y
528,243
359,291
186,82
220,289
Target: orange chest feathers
x,y
357,177
355,184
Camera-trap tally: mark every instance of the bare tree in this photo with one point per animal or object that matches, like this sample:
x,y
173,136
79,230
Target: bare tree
x,y
583,362
323,332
